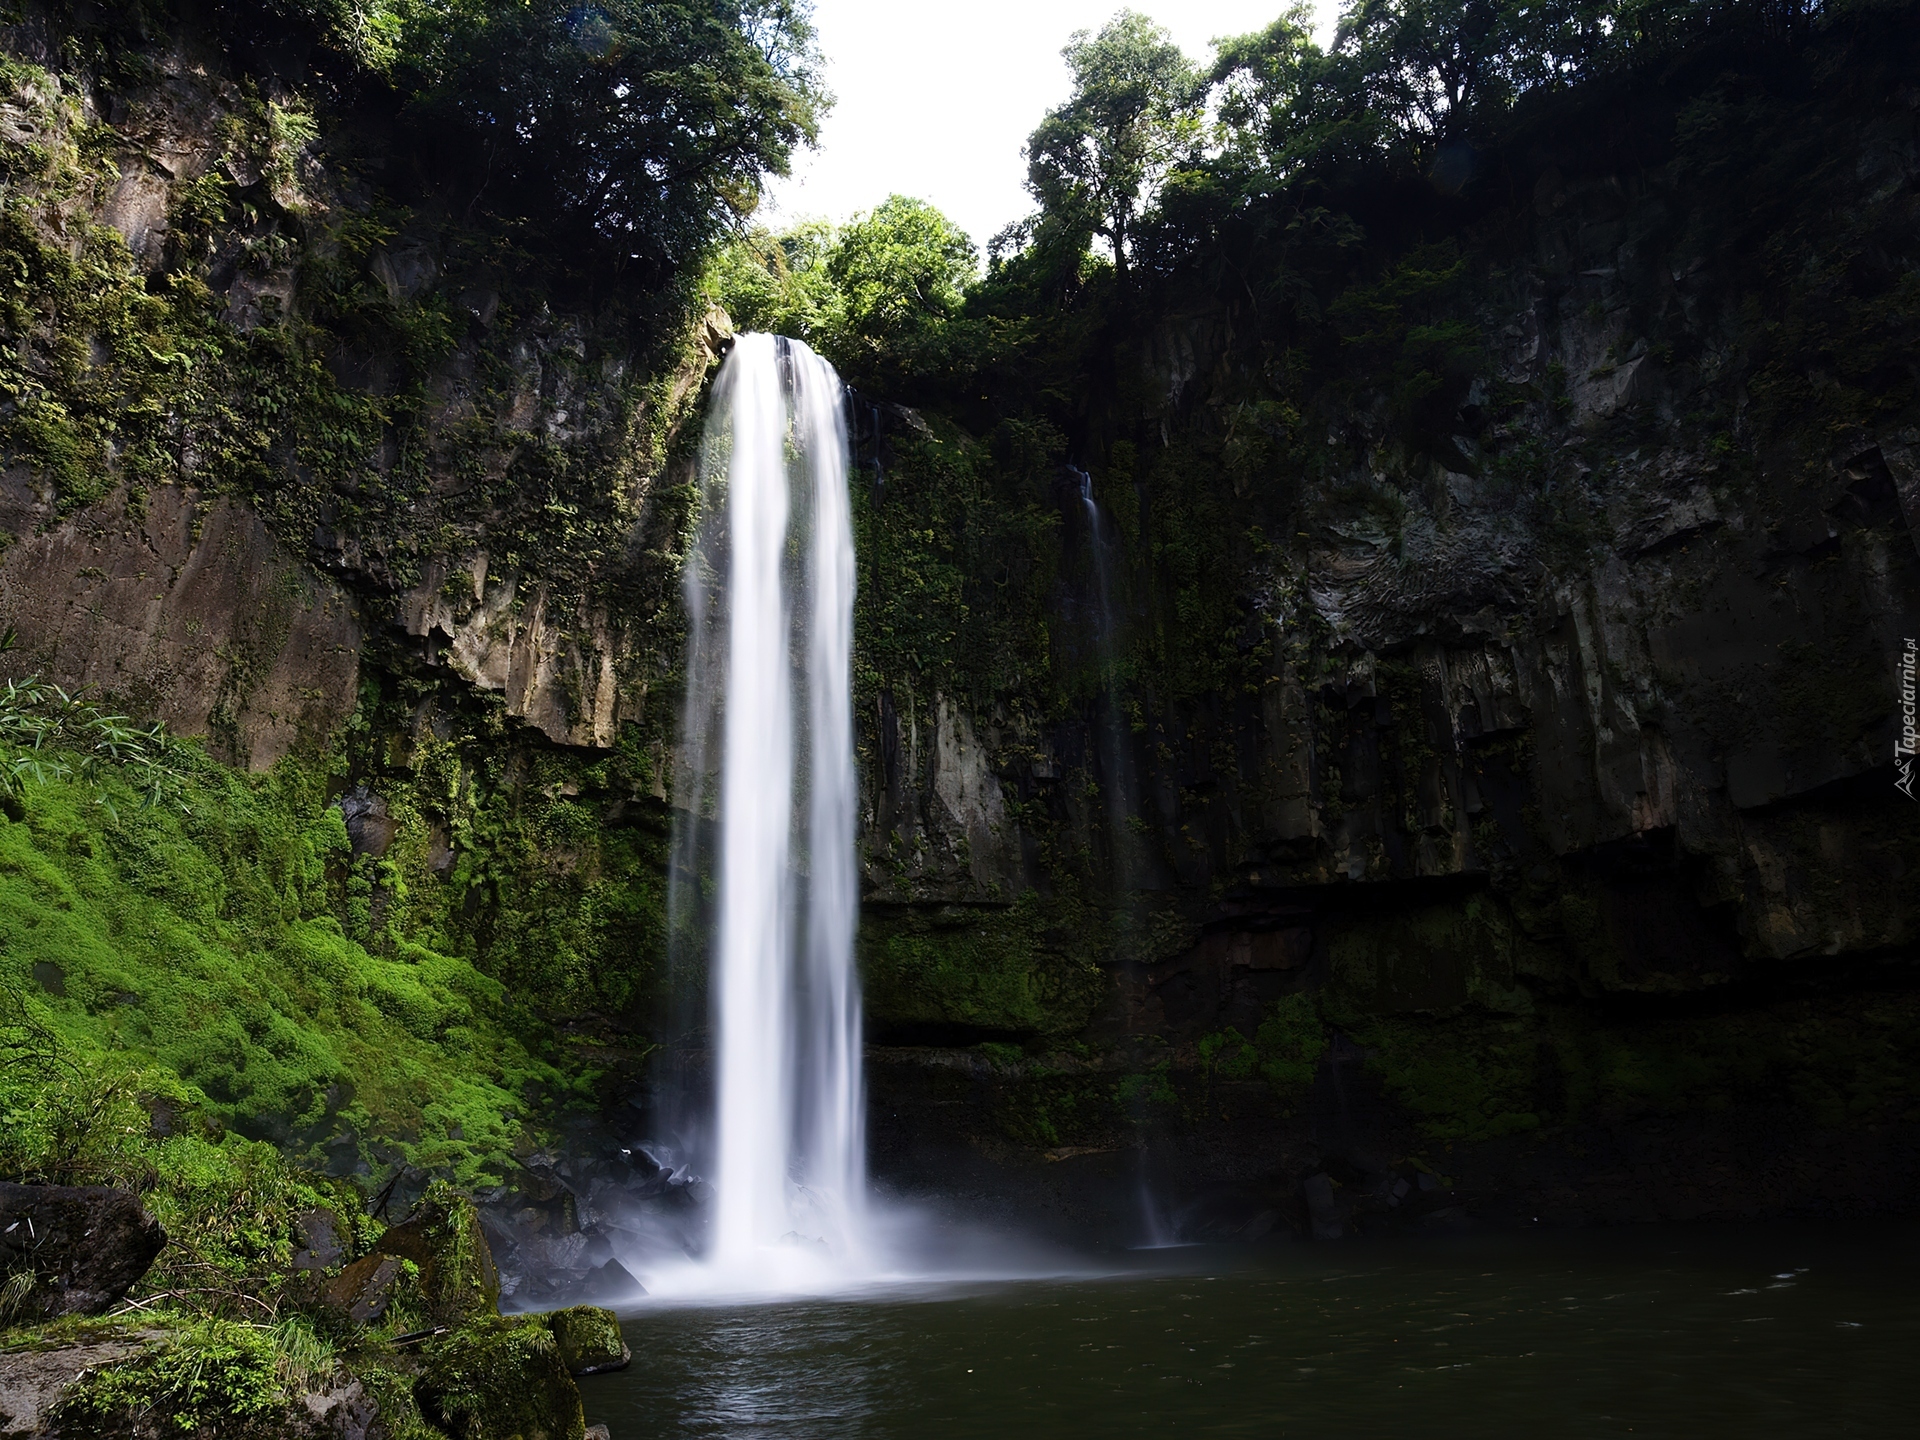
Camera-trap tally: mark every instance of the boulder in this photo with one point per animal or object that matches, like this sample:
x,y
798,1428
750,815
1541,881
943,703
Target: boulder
x,y
320,1244
32,1381
85,1245
443,1237
363,1291
500,1379
610,1281
589,1339
345,1411
1322,1208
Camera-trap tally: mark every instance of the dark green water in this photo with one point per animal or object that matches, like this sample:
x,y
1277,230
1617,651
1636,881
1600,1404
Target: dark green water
x,y
1682,1333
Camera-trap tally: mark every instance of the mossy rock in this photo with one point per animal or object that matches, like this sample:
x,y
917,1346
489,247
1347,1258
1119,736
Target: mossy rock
x,y
589,1339
443,1238
501,1379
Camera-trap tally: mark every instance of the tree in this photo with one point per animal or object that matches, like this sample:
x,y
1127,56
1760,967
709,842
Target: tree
x,y
882,296
900,272
644,123
1286,105
1099,160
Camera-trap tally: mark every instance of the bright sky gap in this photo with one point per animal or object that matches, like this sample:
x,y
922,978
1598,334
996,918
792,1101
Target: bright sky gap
x,y
936,102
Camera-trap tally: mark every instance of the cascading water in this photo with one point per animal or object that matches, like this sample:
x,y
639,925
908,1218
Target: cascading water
x,y
1156,1230
770,600
1118,788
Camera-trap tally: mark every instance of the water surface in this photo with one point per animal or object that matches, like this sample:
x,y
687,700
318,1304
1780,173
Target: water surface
x,y
1685,1333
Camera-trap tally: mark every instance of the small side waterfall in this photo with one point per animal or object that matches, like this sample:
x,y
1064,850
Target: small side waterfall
x,y
769,590
1118,789
1115,760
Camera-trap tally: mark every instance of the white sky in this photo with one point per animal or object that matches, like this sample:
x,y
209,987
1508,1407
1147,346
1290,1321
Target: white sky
x,y
936,98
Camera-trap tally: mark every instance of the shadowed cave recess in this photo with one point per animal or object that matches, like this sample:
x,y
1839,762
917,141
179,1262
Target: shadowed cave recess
x,y
1376,684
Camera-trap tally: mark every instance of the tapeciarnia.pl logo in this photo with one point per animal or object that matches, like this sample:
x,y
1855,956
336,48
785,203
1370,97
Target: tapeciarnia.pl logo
x,y
1909,741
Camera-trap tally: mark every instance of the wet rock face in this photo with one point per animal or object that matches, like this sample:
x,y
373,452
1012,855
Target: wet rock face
x,y
363,1291
558,1235
85,1245
192,614
1613,654
31,1384
244,618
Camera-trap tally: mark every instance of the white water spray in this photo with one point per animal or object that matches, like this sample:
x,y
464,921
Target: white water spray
x,y
770,598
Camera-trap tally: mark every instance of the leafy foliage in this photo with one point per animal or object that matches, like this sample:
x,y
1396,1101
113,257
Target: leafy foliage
x,y
47,733
645,123
883,297
1134,114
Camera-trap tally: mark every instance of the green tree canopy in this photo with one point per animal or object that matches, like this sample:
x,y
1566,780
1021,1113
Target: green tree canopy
x,y
901,272
642,122
637,128
1134,114
880,296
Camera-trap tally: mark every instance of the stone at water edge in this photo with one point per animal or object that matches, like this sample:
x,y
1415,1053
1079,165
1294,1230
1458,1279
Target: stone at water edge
x,y
500,1379
1322,1208
85,1244
610,1281
589,1339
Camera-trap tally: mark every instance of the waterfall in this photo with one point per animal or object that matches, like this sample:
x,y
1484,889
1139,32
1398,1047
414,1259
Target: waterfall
x,y
1117,782
1117,787
767,820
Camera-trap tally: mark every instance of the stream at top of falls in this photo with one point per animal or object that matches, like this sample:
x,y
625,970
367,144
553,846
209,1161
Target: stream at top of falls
x,y
1779,1331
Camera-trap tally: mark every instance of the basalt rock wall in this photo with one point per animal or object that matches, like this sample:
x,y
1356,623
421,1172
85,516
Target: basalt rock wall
x,y
1541,826
1457,768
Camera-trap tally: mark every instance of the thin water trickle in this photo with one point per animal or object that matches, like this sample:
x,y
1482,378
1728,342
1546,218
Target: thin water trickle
x,y
770,597
1157,1230
1117,786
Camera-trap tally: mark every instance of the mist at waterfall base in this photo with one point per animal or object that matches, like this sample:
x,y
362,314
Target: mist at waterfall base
x,y
761,1185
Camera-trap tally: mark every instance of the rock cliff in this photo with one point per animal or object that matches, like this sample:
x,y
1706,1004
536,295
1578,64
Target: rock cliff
x,y
1484,747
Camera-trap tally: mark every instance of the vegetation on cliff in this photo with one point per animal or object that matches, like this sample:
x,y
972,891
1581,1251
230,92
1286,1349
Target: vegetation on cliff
x,y
427,297
1306,340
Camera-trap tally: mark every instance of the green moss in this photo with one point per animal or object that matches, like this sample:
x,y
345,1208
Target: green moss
x,y
959,564
223,1377
1285,1049
589,1339
1289,1043
206,945
1434,959
1144,1096
501,1380
1472,1077
1044,1107
1016,969
1842,1061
